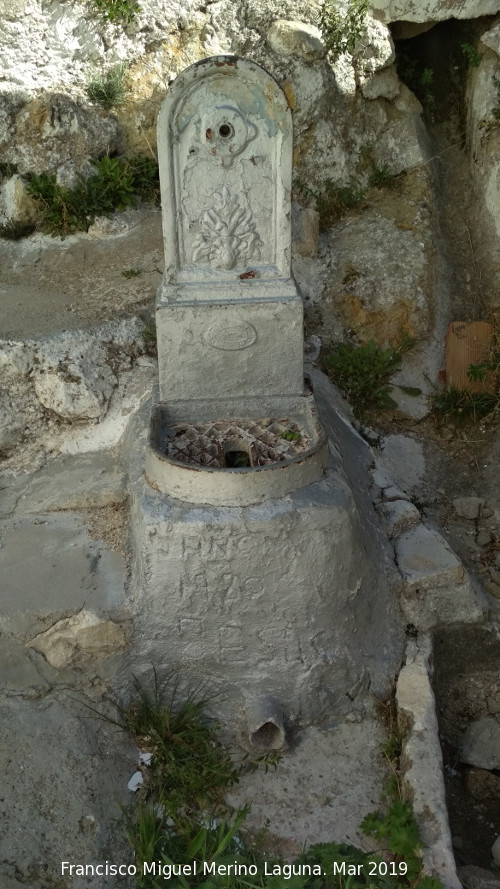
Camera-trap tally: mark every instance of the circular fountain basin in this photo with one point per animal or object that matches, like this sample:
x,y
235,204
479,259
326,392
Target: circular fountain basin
x,y
237,452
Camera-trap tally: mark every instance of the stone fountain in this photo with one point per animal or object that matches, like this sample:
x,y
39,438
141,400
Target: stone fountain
x,y
252,570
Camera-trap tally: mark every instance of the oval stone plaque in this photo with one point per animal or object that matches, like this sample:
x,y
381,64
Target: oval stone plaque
x,y
230,337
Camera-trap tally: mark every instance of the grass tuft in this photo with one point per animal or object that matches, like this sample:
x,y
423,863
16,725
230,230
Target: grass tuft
x,y
108,88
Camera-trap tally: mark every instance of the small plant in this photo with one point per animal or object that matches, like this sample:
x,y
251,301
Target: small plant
x,y
182,818
108,88
419,80
362,372
290,435
117,11
131,273
380,177
146,177
117,183
334,200
341,30
471,54
460,406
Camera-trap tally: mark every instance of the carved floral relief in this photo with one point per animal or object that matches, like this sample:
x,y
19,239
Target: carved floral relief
x,y
227,235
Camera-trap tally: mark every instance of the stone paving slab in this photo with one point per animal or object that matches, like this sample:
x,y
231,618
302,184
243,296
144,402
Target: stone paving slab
x,y
64,775
72,481
438,588
50,567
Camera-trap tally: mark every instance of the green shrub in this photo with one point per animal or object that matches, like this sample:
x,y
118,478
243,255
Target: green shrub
x,y
108,89
471,54
117,11
362,373
117,183
342,30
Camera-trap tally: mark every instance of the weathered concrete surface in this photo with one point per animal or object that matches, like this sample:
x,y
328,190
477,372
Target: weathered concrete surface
x,y
64,776
289,598
422,762
323,787
70,482
50,567
402,458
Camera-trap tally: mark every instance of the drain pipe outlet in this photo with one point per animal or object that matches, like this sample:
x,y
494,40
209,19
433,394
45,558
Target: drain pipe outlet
x,y
266,730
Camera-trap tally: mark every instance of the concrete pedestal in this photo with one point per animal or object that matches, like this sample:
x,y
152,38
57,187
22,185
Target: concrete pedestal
x,y
280,608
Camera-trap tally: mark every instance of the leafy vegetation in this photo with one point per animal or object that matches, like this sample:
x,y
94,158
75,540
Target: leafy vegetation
x,y
419,78
116,11
182,817
342,29
117,183
460,406
333,201
362,373
108,88
381,177
471,54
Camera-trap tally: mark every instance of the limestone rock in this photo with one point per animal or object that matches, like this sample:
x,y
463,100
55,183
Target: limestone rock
x,y
374,61
432,10
383,84
437,589
402,144
468,507
491,38
74,386
397,516
366,299
482,784
15,203
495,851
492,588
305,230
53,129
477,877
483,538
480,745
423,778
296,39
85,634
